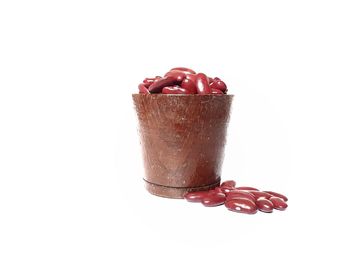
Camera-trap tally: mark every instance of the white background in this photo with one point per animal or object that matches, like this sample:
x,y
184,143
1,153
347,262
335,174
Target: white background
x,y
70,162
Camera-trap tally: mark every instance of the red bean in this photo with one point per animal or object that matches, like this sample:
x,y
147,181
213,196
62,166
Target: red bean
x,y
240,194
192,77
241,205
179,75
148,81
195,196
277,195
189,85
214,199
264,205
230,183
210,80
186,70
174,90
216,91
216,190
218,84
157,86
202,84
259,194
247,188
278,203
143,89
227,189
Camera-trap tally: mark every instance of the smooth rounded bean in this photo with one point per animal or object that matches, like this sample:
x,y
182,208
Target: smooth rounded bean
x,y
227,189
148,81
264,205
174,90
189,85
278,203
210,80
214,199
157,86
247,188
230,183
218,84
216,190
179,75
277,195
259,194
241,205
240,194
202,84
192,77
143,89
195,196
216,91
183,69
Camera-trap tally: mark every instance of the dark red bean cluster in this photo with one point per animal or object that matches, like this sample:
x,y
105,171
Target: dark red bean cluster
x,y
183,81
241,199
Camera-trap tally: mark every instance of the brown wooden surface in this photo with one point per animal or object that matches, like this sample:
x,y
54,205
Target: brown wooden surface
x,y
183,139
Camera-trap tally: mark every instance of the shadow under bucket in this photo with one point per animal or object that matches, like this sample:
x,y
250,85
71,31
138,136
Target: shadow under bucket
x,y
183,139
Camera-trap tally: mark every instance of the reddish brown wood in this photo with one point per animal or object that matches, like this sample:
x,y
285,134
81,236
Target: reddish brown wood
x,y
183,139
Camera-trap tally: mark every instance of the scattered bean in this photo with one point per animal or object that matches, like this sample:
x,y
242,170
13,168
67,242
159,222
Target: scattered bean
x,y
277,195
240,194
195,196
247,188
214,199
264,205
230,183
259,194
241,205
278,203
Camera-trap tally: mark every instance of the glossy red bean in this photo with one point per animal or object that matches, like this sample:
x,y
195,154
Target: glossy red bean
x,y
202,84
216,190
210,80
179,75
216,91
186,70
277,195
192,77
148,81
227,189
240,194
174,90
189,85
264,205
230,183
278,203
218,84
214,199
143,89
247,188
157,86
241,205
195,196
259,194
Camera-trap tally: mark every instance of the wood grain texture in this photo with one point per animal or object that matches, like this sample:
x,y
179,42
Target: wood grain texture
x,y
183,139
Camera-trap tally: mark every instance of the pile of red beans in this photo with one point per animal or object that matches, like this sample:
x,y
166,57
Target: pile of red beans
x,y
242,199
183,81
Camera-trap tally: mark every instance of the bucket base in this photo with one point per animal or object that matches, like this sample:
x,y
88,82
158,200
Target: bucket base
x,y
175,192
